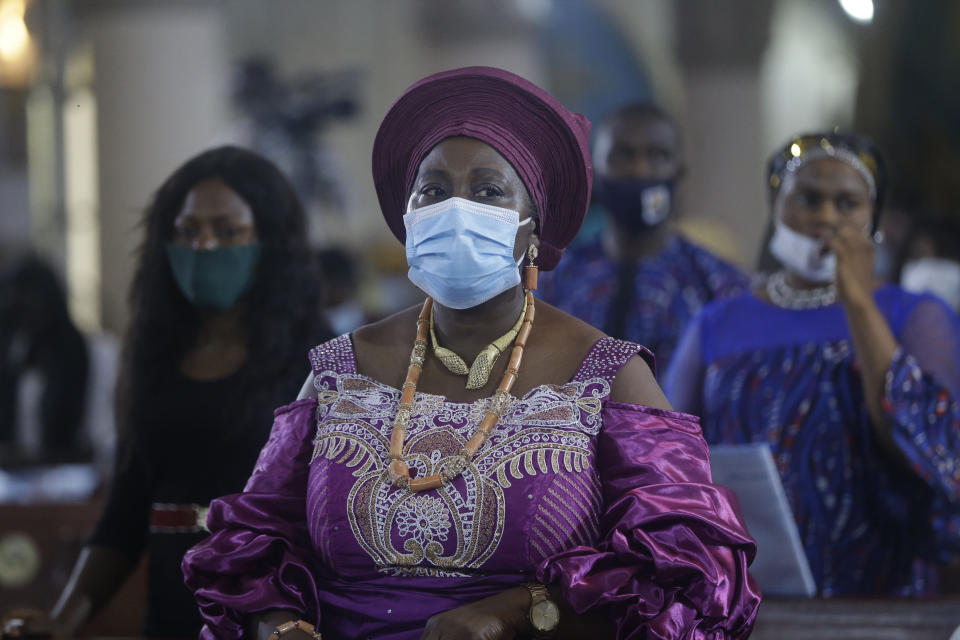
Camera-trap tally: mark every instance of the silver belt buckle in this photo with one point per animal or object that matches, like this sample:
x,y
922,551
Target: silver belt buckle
x,y
202,516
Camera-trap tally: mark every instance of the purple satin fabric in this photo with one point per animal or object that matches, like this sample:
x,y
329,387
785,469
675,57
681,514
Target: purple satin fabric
x,y
662,551
259,558
673,561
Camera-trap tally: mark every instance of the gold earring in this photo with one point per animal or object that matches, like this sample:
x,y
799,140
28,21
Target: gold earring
x,y
531,273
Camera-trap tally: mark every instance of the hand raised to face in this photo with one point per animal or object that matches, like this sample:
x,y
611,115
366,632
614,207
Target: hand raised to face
x,y
829,200
855,258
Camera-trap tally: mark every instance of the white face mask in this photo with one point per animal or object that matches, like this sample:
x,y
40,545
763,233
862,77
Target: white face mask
x,y
938,276
802,254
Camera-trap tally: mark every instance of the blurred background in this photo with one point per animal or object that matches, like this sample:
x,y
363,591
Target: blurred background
x,y
101,99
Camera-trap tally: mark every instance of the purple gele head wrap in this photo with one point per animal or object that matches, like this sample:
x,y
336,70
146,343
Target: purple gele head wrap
x,y
547,145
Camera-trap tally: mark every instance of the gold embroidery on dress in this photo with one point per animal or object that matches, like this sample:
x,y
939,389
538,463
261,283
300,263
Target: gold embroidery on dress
x,y
453,530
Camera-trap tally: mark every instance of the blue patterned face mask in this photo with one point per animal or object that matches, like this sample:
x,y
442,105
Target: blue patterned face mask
x,y
461,252
637,204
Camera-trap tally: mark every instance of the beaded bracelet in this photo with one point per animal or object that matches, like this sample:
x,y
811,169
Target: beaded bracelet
x,y
300,625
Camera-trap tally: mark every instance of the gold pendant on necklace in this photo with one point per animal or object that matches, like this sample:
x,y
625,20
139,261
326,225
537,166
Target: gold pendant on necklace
x,y
477,374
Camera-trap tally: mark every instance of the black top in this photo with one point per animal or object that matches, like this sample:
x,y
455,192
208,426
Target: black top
x,y
191,445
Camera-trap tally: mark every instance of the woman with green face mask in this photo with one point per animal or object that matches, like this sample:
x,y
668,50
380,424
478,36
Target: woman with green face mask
x,y
224,305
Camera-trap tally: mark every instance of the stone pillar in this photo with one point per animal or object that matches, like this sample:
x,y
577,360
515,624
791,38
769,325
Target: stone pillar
x,y
161,80
720,47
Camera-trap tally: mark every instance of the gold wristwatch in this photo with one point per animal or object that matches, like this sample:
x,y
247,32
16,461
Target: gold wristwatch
x,y
544,615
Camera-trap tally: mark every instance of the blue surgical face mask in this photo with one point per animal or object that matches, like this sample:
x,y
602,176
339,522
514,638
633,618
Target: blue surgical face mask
x,y
461,252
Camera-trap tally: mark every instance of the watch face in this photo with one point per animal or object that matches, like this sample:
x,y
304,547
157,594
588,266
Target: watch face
x,y
545,616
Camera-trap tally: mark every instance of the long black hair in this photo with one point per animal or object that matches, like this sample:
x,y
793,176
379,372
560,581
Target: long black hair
x,y
33,309
282,309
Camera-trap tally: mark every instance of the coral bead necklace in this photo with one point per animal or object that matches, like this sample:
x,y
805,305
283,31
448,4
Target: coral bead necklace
x,y
397,470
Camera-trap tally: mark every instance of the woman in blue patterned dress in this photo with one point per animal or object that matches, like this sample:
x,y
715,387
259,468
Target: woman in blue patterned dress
x,y
854,387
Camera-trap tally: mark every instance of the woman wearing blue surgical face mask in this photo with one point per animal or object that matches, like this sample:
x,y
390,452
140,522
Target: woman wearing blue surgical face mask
x,y
855,387
224,303
465,237
447,471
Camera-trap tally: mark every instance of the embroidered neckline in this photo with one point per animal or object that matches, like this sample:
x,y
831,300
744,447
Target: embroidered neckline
x,y
581,375
479,401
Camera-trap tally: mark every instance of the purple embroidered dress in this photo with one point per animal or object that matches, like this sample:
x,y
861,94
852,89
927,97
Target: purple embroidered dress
x,y
610,501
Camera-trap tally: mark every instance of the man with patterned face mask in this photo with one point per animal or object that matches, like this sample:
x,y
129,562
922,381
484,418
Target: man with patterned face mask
x,y
641,280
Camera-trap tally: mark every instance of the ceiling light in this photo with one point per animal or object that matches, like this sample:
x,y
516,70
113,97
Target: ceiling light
x,y
859,10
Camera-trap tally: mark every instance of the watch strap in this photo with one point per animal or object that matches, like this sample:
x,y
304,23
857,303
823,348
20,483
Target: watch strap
x,y
538,593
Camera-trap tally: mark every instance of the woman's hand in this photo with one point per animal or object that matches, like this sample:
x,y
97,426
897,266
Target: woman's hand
x,y
854,251
499,617
873,341
262,625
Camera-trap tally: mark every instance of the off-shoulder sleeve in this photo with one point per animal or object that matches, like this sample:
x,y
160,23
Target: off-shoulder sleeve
x,y
257,557
672,562
921,396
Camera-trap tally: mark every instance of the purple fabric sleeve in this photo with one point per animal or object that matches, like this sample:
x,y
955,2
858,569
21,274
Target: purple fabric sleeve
x,y
257,557
672,561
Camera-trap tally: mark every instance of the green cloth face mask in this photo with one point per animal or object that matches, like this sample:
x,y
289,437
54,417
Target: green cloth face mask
x,y
214,278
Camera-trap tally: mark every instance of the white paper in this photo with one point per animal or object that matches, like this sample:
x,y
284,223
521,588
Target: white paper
x,y
781,567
